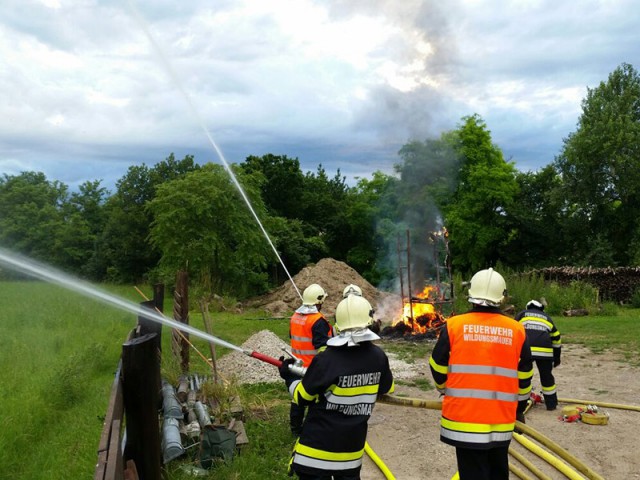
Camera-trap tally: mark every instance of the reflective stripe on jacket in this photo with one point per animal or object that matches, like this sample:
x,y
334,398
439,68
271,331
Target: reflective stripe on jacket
x,y
340,389
542,333
301,331
484,378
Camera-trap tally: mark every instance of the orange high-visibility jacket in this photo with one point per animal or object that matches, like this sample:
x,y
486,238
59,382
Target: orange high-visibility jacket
x,y
482,383
301,330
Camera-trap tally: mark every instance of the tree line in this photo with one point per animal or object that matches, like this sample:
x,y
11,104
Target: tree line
x,y
581,209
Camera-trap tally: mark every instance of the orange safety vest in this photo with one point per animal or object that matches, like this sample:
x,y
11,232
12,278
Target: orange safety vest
x,y
301,326
481,395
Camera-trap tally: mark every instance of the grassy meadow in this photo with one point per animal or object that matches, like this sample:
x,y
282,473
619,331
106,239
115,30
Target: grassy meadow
x,y
59,354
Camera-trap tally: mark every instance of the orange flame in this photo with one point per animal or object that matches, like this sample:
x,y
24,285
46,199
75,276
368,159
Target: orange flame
x,y
420,315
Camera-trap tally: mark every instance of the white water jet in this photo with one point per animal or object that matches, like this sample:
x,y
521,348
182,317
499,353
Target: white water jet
x,y
51,275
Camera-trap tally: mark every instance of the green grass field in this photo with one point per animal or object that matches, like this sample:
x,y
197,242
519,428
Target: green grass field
x,y
59,354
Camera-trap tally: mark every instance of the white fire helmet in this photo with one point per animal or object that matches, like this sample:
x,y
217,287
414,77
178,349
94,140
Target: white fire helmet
x,y
351,290
535,304
314,294
487,288
353,312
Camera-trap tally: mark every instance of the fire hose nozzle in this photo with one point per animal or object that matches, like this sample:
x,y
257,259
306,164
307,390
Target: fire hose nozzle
x,y
298,370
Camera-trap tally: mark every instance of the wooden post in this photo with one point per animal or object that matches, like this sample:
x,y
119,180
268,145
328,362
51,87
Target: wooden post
x,y
146,325
180,341
141,377
158,296
206,317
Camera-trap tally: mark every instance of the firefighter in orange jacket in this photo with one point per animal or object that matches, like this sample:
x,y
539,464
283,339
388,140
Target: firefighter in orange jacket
x,y
482,364
309,332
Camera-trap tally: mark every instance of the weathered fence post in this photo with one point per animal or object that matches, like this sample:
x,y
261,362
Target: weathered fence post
x,y
158,296
141,377
180,340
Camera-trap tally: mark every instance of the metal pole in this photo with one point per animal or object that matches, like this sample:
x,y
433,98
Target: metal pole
x,y
409,275
400,271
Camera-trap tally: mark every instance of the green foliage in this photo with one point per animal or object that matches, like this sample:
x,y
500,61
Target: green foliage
x,y
577,295
477,215
202,225
600,167
124,252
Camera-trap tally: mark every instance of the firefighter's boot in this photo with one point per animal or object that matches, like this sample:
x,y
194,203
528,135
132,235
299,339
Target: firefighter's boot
x,y
551,401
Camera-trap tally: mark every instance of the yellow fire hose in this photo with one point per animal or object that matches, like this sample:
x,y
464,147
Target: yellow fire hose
x,y
557,449
512,468
376,459
410,402
600,404
519,473
547,457
532,468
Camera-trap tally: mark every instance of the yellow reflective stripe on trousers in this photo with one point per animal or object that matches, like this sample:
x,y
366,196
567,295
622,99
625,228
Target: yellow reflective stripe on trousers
x,y
324,460
525,375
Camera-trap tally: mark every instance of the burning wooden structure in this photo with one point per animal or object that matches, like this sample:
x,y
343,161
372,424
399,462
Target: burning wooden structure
x,y
422,314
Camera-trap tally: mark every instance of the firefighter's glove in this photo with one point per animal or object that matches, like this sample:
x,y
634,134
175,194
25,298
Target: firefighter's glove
x,y
556,362
285,373
520,417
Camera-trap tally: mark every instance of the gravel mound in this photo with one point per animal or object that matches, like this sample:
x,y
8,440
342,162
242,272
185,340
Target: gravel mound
x,y
248,370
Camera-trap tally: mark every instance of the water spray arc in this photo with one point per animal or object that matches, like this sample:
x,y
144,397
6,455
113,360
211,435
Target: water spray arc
x,y
51,275
196,114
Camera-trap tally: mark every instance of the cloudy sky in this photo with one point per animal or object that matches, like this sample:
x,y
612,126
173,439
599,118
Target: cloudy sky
x,y
91,87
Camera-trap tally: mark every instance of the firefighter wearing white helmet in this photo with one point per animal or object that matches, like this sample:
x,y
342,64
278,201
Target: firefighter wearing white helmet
x,y
314,294
340,387
546,347
482,364
309,331
351,289
487,288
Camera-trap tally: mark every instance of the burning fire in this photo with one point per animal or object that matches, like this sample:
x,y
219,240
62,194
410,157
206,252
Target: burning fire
x,y
420,315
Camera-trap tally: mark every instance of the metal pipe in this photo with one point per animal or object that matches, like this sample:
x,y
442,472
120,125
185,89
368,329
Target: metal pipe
x,y
170,406
171,441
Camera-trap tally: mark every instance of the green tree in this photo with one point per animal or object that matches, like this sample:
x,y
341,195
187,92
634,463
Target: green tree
x,y
476,216
536,222
283,182
31,216
202,224
124,252
600,168
321,208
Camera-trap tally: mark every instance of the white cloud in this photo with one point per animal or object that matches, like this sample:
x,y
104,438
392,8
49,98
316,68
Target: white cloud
x,y
325,81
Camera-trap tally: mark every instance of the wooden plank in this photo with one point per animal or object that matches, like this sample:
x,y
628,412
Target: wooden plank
x,y
115,470
241,437
114,411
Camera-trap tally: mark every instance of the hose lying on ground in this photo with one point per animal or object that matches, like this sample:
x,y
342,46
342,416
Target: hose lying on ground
x,y
532,468
376,459
557,449
548,457
519,473
410,402
600,404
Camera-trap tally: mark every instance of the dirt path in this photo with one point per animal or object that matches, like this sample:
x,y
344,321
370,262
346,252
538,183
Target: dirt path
x,y
407,439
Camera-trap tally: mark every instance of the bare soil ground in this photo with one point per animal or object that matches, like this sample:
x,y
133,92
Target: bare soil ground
x,y
407,439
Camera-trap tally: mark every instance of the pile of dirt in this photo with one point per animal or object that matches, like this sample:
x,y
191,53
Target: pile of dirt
x,y
330,274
